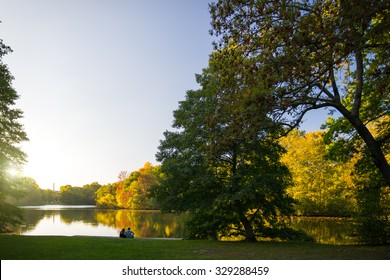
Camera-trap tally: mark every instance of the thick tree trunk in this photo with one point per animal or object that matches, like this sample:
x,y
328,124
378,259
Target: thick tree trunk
x,y
373,146
376,153
249,234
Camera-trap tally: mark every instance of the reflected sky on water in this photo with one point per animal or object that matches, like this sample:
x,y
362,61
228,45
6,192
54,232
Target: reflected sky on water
x,y
53,225
91,221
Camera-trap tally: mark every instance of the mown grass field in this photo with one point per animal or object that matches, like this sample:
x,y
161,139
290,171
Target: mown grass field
x,y
13,247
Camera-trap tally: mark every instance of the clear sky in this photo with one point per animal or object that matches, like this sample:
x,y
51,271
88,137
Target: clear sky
x,y
99,80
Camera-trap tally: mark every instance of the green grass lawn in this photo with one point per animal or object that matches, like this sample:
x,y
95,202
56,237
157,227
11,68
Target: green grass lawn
x,y
13,247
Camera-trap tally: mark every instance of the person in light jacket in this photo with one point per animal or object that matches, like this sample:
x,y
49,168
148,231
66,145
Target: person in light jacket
x,y
129,233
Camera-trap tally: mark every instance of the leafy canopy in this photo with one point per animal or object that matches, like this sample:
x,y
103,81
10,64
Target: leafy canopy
x,y
227,175
11,134
305,55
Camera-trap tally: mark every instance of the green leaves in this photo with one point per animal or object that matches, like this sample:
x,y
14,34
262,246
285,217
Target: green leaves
x,y
305,55
11,130
11,134
301,42
218,167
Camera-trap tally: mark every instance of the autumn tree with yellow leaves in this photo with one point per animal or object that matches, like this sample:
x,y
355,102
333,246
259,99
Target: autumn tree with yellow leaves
x,y
322,186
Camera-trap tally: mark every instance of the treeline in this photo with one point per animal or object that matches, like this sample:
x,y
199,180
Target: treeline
x,y
85,195
130,192
29,193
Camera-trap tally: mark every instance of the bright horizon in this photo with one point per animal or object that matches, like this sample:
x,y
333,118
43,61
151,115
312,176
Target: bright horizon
x,y
98,81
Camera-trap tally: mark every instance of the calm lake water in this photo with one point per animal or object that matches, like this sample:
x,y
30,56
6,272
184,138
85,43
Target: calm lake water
x,y
91,221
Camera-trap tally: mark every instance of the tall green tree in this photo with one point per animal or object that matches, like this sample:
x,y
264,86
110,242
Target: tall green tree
x,y
311,55
228,178
11,134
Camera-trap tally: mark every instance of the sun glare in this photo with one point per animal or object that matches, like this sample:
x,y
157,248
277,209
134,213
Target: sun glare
x,y
12,171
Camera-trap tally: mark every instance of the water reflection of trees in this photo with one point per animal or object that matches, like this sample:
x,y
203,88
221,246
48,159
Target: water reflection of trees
x,y
68,216
87,216
31,219
326,230
144,223
156,224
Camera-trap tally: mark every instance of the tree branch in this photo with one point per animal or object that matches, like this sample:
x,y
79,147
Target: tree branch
x,y
334,84
357,99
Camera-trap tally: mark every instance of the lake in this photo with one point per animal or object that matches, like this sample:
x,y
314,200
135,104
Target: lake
x,y
87,220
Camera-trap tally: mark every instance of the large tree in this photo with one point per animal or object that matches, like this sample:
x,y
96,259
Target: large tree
x,y
11,134
310,55
228,178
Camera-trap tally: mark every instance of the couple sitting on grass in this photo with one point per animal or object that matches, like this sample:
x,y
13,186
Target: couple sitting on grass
x,y
127,234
